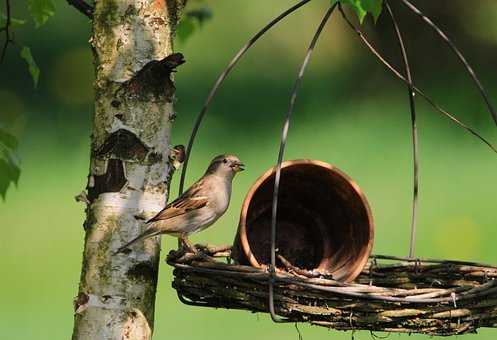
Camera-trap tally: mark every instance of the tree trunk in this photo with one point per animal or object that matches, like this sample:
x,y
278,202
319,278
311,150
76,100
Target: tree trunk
x,y
129,169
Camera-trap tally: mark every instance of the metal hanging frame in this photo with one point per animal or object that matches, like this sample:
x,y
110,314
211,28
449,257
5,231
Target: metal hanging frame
x,y
407,79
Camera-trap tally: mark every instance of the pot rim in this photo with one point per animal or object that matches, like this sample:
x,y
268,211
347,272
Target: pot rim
x,y
242,228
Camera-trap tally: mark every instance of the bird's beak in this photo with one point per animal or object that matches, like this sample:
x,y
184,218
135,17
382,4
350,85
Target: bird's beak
x,y
237,167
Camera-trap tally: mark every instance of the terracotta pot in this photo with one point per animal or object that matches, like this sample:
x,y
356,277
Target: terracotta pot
x,y
324,221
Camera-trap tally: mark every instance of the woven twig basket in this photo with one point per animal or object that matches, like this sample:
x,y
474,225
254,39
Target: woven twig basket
x,y
433,297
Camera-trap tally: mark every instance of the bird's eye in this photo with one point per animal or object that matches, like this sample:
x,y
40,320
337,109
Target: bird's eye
x,y
225,161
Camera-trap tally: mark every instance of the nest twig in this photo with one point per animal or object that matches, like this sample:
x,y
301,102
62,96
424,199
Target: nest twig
x,y
428,296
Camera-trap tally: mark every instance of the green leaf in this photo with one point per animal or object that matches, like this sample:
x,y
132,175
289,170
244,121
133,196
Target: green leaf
x,y
8,140
191,19
185,29
201,15
13,21
9,172
363,7
32,67
41,10
374,7
9,169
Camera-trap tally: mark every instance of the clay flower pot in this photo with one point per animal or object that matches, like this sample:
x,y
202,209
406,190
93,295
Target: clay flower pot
x,y
324,221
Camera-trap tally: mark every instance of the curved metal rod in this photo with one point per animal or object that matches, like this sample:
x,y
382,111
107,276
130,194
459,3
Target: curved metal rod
x,y
220,80
459,55
416,89
415,149
284,135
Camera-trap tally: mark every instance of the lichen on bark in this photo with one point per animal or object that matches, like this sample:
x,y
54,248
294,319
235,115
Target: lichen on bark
x,y
129,167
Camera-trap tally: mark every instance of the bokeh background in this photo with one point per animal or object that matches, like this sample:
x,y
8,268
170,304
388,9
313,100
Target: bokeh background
x,y
350,112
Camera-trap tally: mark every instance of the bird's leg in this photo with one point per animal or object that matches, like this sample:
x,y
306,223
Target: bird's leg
x,y
187,252
187,244
183,248
197,254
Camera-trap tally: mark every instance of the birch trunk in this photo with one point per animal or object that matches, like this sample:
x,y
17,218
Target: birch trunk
x,y
128,180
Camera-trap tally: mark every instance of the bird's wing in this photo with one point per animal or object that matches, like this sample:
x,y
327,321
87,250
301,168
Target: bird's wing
x,y
190,200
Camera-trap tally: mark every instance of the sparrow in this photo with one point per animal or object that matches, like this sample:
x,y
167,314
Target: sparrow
x,y
198,207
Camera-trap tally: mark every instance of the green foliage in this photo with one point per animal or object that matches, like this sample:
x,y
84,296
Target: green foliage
x,y
9,169
14,22
201,15
363,7
185,29
41,10
32,66
192,20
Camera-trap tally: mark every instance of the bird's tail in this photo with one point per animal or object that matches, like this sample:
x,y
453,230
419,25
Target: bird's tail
x,y
146,234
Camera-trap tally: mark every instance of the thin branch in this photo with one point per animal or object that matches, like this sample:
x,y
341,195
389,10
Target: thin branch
x,y
221,79
284,135
82,7
430,101
415,151
459,55
430,260
6,28
296,270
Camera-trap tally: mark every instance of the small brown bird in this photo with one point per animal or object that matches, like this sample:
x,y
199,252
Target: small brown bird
x,y
198,207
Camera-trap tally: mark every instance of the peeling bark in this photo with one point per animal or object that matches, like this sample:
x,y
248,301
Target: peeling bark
x,y
129,168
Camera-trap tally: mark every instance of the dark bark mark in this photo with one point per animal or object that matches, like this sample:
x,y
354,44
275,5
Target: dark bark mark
x,y
154,157
125,145
144,271
112,181
80,301
155,78
176,158
106,298
177,155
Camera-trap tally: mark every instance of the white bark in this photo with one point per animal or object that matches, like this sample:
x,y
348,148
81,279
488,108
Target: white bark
x,y
129,167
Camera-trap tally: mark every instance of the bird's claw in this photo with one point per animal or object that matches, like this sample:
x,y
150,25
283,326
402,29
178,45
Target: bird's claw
x,y
187,252
176,254
187,246
181,256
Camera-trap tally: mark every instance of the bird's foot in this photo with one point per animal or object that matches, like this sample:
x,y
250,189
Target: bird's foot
x,y
176,254
187,246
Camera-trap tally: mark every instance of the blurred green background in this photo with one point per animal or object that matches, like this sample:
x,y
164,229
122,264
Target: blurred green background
x,y
350,112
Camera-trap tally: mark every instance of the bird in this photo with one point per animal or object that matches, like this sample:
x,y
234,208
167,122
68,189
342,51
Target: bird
x,y
198,207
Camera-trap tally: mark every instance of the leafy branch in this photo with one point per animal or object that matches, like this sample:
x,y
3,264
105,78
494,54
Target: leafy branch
x,y
40,11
